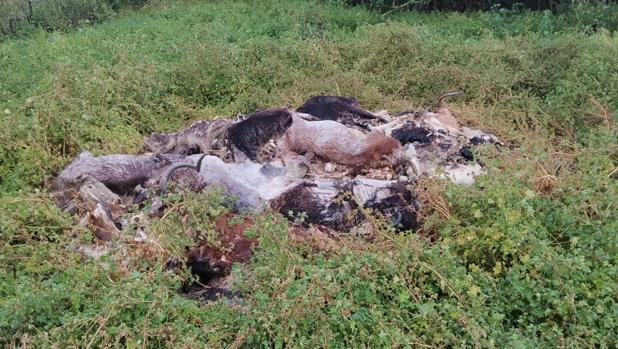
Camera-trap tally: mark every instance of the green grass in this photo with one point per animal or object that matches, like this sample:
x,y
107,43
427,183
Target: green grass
x,y
526,258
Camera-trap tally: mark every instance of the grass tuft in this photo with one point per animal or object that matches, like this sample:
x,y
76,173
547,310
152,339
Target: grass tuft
x,y
524,258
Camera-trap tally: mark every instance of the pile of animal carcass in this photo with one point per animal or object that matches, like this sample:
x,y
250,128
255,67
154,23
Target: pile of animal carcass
x,y
329,160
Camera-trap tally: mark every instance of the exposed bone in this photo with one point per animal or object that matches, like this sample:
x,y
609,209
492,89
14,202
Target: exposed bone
x,y
83,191
98,206
101,221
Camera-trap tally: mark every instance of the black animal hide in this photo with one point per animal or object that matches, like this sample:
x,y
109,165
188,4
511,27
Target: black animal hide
x,y
318,206
335,206
410,133
251,134
400,207
480,140
466,153
341,109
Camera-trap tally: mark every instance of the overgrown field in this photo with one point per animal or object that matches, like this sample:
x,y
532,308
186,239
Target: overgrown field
x,y
526,258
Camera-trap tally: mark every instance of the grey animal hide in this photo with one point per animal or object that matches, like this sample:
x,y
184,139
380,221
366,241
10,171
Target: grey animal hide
x,y
201,137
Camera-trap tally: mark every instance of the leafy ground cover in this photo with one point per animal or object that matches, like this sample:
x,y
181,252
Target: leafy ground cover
x,y
525,258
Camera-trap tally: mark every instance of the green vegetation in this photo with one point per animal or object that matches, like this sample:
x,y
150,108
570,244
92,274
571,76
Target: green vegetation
x,y
20,17
525,258
467,5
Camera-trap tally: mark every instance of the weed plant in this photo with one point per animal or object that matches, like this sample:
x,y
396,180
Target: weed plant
x,y
525,258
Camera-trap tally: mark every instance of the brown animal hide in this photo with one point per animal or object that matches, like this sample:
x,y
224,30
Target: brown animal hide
x,y
336,143
208,260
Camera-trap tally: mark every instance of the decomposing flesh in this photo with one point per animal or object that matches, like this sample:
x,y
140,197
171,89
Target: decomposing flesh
x,y
337,204
338,143
425,143
436,145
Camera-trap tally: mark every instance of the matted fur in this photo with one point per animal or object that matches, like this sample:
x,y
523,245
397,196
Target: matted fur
x,y
121,173
318,203
251,134
200,137
337,143
336,204
341,109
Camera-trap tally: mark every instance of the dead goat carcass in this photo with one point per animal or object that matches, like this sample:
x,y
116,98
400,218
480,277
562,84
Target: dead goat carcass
x,y
252,184
436,145
100,189
329,203
201,137
335,142
121,173
336,108
245,138
338,204
250,135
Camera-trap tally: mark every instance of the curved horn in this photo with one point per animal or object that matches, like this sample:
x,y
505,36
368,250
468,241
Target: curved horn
x,y
198,166
168,172
447,94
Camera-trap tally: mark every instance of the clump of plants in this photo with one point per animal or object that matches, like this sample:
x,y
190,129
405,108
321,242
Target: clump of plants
x,y
524,258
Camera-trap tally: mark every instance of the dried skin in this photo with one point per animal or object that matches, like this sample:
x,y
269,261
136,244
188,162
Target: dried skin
x,y
201,137
121,173
337,204
339,144
249,135
344,110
